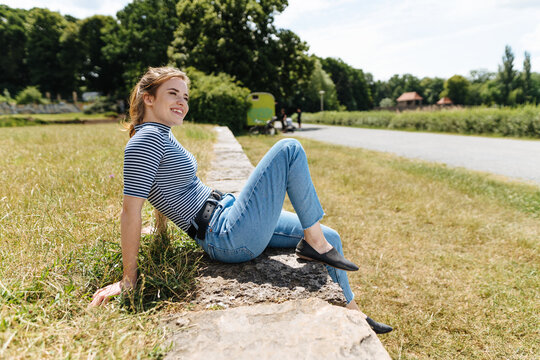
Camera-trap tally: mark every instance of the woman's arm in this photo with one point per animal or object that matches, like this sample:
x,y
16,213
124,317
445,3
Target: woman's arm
x,y
130,226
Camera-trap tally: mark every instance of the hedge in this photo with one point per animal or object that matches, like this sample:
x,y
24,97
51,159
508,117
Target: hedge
x,y
517,122
217,99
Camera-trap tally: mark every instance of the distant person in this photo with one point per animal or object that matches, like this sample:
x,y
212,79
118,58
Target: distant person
x,y
299,118
232,230
282,118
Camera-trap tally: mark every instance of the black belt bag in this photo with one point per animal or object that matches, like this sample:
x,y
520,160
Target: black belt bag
x,y
202,219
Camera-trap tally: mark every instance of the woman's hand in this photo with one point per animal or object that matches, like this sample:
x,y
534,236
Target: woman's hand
x,y
130,225
103,295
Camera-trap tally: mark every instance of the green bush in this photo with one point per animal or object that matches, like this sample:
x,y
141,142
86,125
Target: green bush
x,y
6,97
217,99
112,114
519,122
30,95
11,121
102,104
386,102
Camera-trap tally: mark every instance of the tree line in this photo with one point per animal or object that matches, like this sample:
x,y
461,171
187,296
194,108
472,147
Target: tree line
x,y
508,86
61,54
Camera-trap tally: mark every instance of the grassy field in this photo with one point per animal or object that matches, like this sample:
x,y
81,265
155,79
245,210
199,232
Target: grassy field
x,y
60,200
450,258
58,117
41,119
521,122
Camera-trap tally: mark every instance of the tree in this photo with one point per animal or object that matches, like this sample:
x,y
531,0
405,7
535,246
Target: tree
x,y
483,88
431,88
287,56
481,93
507,76
456,88
140,39
379,89
397,85
48,38
238,37
351,86
71,58
320,80
480,76
14,75
526,78
534,91
97,73
516,97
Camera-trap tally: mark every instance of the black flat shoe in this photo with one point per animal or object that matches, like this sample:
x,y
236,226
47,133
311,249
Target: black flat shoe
x,y
377,327
331,258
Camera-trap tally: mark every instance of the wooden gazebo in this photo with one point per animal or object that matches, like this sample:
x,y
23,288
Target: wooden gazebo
x,y
445,101
409,99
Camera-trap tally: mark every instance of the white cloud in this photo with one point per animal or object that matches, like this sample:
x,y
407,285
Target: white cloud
x,y
78,8
300,9
422,37
531,40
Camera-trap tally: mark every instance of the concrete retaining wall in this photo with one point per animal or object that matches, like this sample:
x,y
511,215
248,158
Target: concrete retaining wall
x,y
61,108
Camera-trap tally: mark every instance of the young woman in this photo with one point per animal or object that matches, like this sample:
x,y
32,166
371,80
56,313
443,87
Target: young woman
x,y
158,168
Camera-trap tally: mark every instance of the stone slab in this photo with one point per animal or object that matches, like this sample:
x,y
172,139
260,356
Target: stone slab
x,y
301,329
274,276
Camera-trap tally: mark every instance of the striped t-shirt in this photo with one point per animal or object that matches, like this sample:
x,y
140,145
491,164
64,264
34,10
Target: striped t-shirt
x,y
158,168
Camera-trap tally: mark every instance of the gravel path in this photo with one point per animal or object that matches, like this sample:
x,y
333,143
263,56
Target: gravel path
x,y
518,159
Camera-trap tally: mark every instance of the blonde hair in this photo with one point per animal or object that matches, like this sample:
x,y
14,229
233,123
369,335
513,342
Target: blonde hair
x,y
148,84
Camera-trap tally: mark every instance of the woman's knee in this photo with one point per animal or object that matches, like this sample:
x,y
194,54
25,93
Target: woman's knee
x,y
293,149
290,143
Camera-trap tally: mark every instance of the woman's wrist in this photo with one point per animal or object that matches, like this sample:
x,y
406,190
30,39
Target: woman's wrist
x,y
128,282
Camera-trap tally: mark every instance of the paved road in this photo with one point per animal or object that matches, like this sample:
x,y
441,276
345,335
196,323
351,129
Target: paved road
x,y
513,158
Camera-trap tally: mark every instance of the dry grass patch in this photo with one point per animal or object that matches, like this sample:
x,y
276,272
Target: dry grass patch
x,y
60,201
450,262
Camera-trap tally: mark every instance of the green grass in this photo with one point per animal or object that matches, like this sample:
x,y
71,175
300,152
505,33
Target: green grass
x,y
521,196
523,122
449,257
60,201
42,119
57,117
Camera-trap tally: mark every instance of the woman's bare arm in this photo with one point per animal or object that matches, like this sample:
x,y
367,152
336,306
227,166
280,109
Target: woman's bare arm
x,y
130,225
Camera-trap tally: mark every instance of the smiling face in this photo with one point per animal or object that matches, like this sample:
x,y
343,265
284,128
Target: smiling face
x,y
170,104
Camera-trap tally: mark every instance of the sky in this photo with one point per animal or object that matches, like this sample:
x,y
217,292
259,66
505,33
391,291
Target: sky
x,y
387,37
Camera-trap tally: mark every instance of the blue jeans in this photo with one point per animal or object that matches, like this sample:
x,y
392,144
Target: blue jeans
x,y
240,229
